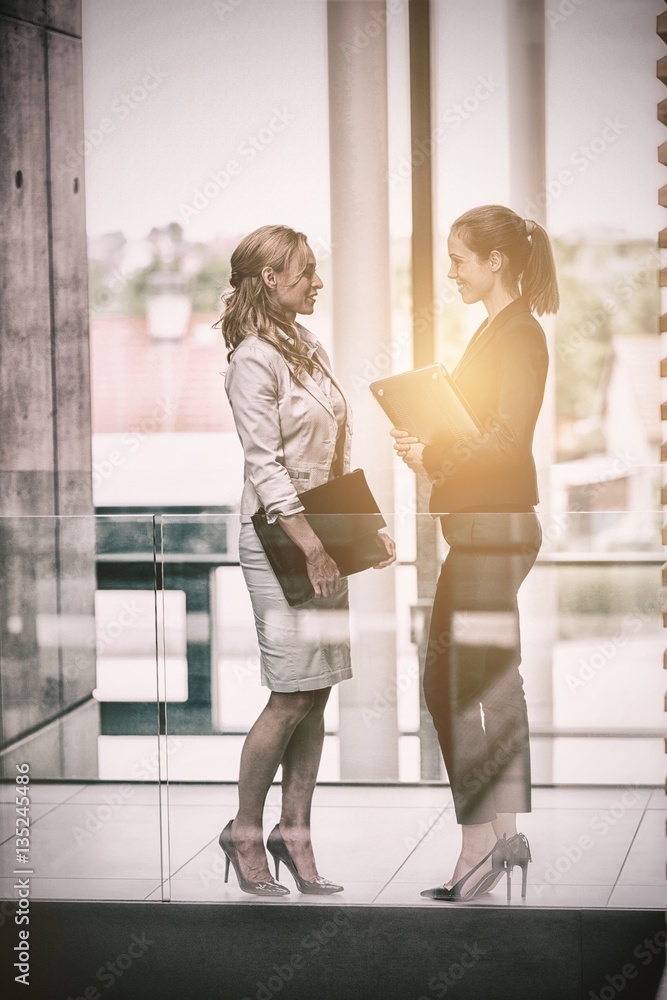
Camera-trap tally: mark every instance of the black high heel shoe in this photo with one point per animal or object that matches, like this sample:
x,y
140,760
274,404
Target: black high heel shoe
x,y
267,887
502,862
521,856
316,887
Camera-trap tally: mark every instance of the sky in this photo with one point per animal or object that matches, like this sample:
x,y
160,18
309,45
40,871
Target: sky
x,y
213,113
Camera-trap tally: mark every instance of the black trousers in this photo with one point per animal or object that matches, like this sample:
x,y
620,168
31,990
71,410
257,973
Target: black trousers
x,y
472,684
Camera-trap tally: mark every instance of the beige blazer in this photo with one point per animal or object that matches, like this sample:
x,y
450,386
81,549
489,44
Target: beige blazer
x,y
288,430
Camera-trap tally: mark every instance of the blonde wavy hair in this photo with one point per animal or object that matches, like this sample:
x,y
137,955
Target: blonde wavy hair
x,y
248,307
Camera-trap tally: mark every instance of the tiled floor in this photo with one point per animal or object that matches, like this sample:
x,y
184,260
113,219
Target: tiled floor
x,y
592,847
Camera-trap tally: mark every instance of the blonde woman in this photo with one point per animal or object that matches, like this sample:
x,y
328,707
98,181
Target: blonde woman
x,y
294,424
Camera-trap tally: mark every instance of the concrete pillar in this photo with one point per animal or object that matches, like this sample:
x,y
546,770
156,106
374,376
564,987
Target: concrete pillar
x,y
357,49
527,111
423,335
527,134
47,571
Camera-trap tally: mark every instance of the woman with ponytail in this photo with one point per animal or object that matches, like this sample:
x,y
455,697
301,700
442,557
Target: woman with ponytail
x,y
484,491
294,424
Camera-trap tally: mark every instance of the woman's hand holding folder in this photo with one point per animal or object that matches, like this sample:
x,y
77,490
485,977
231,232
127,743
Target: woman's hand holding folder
x,y
410,449
322,570
390,546
339,533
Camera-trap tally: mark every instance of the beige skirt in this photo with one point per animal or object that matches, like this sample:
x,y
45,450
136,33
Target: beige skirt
x,y
301,649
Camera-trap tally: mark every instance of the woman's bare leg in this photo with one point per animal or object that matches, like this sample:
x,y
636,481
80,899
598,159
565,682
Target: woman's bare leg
x,y
301,763
263,751
477,839
504,825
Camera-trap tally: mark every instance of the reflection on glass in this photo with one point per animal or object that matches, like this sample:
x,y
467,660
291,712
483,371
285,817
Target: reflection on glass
x,y
591,638
125,646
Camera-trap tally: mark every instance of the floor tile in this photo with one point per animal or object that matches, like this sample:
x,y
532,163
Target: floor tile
x,y
351,845
354,894
384,843
658,799
542,894
621,796
369,844
431,859
579,847
569,847
390,796
82,888
191,829
220,796
117,793
645,863
41,791
94,841
216,890
639,897
408,894
207,869
149,794
185,892
8,817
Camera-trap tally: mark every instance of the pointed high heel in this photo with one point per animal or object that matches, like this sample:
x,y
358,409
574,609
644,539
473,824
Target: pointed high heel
x,y
501,864
267,887
521,856
315,887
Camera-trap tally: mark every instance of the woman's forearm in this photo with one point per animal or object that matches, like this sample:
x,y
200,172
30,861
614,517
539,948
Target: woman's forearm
x,y
297,528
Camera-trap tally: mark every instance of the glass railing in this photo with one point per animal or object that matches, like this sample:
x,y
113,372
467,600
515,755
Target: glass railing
x,y
81,706
591,637
130,672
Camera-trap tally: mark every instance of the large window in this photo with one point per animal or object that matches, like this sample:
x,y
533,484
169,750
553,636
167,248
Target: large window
x,y
188,147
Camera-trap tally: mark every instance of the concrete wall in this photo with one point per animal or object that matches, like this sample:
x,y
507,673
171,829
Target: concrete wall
x,y
46,563
45,463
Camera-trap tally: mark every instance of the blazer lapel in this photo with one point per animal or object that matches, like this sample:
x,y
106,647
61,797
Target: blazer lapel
x,y
323,358
479,339
483,335
309,383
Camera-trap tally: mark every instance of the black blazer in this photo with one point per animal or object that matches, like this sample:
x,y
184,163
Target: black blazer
x,y
502,375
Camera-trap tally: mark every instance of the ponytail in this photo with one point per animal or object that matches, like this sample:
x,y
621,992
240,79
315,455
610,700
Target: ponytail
x,y
525,246
539,283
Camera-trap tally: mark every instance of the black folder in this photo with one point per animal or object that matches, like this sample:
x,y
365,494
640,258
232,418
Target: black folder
x,y
428,404
345,516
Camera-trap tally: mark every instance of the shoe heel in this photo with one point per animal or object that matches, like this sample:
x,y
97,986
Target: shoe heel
x,y
521,858
264,887
509,884
278,848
